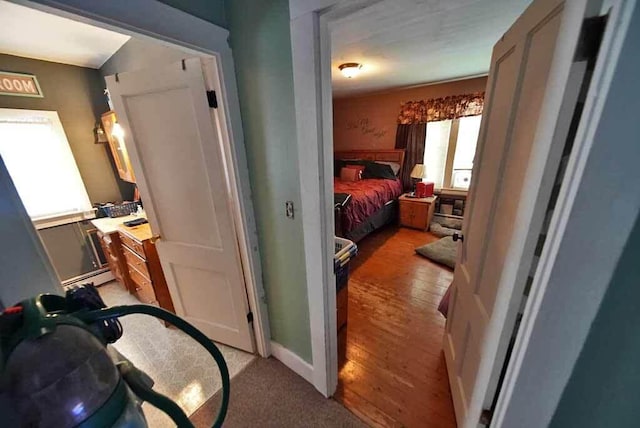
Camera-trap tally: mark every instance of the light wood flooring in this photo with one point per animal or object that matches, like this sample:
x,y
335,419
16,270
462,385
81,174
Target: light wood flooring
x,y
394,374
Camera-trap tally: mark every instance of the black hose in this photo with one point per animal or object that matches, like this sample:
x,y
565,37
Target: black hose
x,y
153,397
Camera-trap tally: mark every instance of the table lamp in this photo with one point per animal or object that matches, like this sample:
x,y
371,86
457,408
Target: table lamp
x,y
421,189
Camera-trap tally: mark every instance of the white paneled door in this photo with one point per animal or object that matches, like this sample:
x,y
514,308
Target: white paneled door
x,y
532,91
177,156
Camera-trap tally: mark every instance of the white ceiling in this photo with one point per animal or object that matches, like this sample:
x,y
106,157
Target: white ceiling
x,y
31,33
410,42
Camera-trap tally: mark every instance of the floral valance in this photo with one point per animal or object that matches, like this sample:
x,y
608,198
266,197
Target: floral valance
x,y
437,109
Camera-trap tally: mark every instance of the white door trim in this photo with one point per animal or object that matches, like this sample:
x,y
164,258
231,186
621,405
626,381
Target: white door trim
x,y
311,54
158,22
310,49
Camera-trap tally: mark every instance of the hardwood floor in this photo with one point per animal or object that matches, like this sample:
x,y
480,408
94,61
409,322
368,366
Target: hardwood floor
x,y
394,374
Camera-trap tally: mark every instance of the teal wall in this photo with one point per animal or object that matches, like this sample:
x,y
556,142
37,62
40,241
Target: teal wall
x,y
209,10
261,43
604,387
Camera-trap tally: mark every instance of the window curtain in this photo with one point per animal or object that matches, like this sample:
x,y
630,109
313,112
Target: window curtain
x,y
412,124
437,109
411,138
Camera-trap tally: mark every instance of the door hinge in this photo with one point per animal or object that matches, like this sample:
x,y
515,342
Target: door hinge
x,y
250,317
590,38
486,416
212,98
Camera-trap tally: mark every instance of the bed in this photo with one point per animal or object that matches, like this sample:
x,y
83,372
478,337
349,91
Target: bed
x,y
366,205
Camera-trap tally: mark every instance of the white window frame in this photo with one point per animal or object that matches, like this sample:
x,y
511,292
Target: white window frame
x,y
447,182
64,217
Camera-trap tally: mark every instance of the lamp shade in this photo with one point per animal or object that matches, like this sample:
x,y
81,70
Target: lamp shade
x,y
419,171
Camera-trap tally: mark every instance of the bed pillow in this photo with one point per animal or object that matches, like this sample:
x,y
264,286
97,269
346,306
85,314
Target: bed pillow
x,y
338,164
359,168
378,170
350,174
395,166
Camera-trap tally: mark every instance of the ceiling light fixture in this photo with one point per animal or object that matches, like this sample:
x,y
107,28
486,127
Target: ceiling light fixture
x,y
350,69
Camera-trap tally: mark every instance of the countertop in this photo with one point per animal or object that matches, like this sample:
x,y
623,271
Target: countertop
x,y
108,225
139,233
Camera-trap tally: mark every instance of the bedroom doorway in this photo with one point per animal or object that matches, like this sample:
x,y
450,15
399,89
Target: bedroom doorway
x,y
403,154
503,231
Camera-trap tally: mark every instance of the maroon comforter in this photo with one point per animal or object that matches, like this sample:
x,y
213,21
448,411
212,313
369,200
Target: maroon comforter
x,y
367,197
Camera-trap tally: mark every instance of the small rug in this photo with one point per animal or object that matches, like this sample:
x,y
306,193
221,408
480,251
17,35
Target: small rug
x,y
268,394
445,226
442,251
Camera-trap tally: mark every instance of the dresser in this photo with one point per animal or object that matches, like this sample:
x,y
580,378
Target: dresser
x,y
143,267
133,259
416,212
112,249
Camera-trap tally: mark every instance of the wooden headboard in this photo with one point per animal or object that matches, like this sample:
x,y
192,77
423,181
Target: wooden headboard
x,y
391,155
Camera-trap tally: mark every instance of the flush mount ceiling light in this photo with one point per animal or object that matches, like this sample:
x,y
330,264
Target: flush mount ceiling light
x,y
350,69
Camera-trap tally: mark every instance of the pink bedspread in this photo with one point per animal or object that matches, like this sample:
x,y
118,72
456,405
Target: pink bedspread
x,y
367,197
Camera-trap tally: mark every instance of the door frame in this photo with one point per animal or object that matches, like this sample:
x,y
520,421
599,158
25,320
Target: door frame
x,y
160,23
311,52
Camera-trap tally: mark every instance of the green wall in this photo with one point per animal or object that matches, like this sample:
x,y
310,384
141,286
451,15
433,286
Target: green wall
x,y
76,93
261,44
209,10
604,387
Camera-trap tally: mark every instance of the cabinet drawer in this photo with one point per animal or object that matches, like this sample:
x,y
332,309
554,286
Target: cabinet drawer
x,y
136,262
142,286
134,245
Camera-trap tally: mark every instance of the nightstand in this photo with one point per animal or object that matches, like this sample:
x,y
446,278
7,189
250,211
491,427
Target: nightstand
x,y
416,212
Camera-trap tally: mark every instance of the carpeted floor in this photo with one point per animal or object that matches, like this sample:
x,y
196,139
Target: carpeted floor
x,y
268,394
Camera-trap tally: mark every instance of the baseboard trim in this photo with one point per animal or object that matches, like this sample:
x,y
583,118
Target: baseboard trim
x,y
293,361
100,278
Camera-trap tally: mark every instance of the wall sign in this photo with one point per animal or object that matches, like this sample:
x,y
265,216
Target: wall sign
x,y
19,85
366,128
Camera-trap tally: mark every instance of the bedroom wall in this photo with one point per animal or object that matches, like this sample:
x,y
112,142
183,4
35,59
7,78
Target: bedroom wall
x,y
76,94
261,43
366,122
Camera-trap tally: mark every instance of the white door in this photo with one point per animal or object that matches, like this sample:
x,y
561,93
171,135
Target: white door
x,y
531,95
177,158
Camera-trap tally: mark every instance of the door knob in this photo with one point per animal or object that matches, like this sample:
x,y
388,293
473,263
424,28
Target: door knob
x,y
457,237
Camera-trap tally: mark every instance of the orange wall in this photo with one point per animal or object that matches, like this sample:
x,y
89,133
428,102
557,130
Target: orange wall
x,y
368,122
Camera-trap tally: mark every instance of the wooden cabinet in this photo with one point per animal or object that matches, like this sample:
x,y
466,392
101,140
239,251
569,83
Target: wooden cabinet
x,y
112,248
143,266
342,310
117,146
416,212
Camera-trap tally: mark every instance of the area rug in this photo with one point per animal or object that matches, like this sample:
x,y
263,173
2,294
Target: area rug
x,y
442,251
268,394
445,226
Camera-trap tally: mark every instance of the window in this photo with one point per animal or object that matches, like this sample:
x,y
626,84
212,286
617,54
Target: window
x,y
449,150
37,155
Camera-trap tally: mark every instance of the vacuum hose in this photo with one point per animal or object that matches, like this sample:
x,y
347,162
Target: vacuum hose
x,y
141,390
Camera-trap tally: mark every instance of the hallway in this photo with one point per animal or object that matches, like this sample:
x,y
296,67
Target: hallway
x,y
394,374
